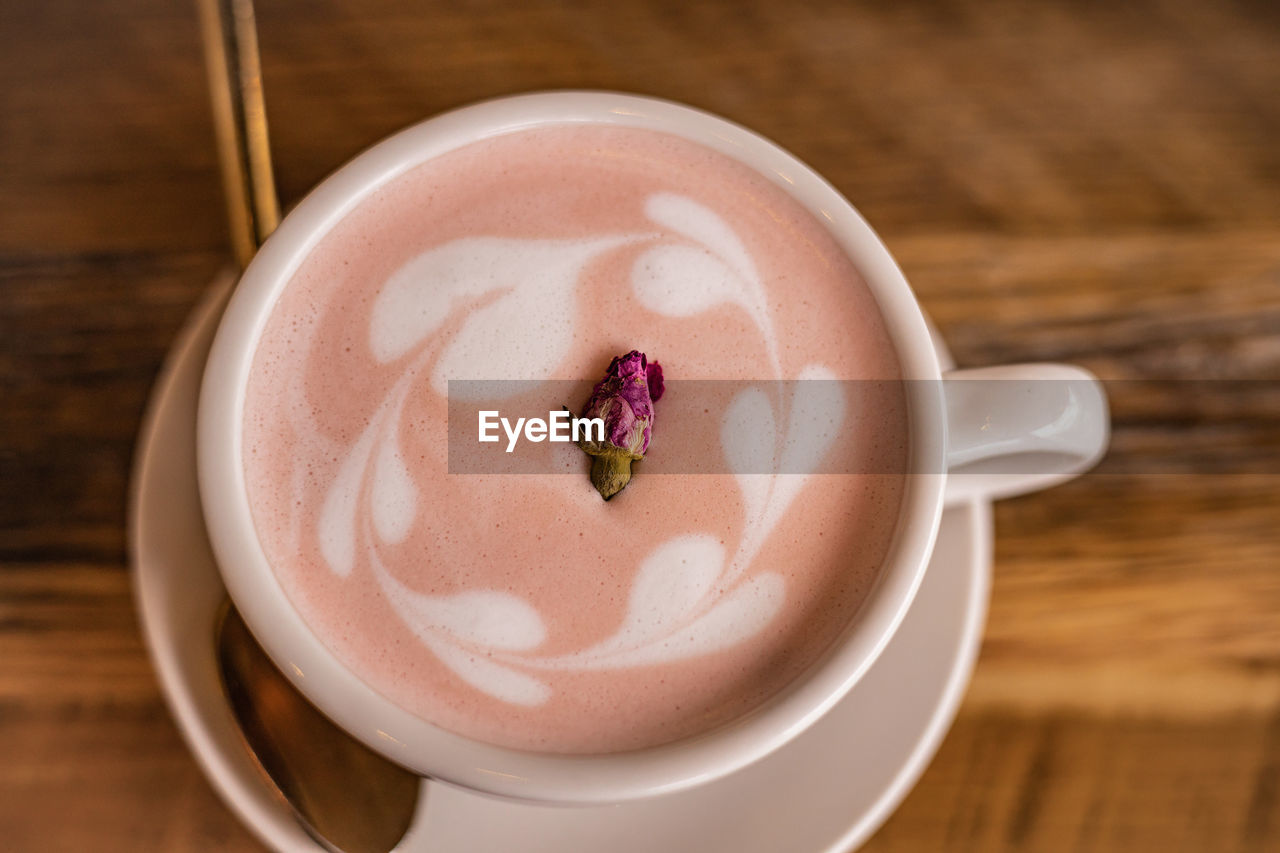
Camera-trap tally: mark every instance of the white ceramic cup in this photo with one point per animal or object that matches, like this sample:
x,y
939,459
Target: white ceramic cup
x,y
1006,442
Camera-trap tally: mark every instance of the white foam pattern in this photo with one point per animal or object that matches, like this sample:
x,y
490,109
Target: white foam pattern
x,y
511,300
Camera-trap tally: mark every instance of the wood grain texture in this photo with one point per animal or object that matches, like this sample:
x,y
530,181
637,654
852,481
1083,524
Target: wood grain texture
x,y
1092,182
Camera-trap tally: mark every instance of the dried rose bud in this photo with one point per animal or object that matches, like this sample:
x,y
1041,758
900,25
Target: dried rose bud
x,y
624,401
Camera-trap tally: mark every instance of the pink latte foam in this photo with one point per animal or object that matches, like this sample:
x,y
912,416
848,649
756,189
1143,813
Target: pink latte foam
x,y
525,611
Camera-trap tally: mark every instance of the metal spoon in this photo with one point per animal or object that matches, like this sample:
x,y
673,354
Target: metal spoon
x,y
347,797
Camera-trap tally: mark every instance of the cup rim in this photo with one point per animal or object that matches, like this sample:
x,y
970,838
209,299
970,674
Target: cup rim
x,y
423,746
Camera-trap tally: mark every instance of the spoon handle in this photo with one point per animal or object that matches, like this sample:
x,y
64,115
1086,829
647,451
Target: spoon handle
x,y
240,122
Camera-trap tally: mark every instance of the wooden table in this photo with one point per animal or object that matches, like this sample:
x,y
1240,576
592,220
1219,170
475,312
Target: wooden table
x,y
1091,182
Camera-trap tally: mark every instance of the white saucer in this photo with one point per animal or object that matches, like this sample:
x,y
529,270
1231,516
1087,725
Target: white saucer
x,y
828,790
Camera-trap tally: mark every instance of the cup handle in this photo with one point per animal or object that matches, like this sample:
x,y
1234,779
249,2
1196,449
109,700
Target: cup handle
x,y
1019,428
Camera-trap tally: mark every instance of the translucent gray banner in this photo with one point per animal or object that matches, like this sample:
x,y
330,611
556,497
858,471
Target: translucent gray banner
x,y
854,427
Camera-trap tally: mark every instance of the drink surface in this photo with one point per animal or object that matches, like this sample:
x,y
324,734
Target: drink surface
x,y
523,610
